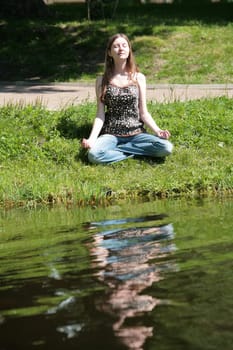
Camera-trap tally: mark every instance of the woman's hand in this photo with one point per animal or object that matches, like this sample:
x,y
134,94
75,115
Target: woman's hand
x,y
163,134
86,143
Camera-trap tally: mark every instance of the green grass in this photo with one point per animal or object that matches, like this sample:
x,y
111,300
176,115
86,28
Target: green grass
x,y
172,43
41,161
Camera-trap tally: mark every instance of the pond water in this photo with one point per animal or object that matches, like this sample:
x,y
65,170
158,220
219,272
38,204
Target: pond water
x,y
154,275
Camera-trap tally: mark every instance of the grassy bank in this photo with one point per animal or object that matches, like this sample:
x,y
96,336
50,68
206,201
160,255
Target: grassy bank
x,y
40,156
172,43
42,162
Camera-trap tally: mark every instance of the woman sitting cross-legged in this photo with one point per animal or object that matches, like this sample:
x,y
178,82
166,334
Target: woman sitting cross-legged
x,y
118,130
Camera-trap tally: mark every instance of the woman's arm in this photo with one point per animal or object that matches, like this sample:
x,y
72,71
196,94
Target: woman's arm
x,y
99,119
144,114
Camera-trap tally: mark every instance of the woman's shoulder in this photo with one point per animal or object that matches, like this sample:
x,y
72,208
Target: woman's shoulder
x,y
141,77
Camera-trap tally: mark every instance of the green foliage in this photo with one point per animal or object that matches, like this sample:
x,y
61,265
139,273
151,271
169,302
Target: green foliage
x,y
75,122
198,124
24,131
172,43
42,160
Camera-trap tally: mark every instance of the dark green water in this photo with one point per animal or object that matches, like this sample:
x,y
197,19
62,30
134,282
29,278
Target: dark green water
x,y
154,275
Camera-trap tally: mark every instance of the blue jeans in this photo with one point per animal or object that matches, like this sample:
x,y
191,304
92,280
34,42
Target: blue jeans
x,y
111,149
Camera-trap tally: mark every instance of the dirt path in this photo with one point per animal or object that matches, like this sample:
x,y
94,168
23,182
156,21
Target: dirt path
x,y
56,96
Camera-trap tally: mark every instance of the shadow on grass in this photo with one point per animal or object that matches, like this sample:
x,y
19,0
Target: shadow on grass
x,y
46,52
32,88
82,156
66,47
70,130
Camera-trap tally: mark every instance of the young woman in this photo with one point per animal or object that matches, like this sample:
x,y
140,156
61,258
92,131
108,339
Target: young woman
x,y
118,129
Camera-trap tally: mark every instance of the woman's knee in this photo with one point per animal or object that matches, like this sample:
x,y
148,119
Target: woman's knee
x,y
168,147
164,149
95,156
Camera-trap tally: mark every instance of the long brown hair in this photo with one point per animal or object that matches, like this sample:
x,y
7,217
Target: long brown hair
x,y
109,63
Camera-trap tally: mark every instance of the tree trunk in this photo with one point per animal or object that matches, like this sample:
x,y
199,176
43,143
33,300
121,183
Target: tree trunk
x,y
23,8
101,9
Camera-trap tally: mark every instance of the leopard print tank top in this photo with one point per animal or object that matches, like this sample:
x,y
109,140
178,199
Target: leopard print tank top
x,y
122,111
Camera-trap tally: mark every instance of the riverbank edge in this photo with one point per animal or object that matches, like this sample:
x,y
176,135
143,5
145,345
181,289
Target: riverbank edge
x,y
22,193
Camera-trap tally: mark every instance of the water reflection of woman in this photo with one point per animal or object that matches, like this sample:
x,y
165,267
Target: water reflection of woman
x,y
127,262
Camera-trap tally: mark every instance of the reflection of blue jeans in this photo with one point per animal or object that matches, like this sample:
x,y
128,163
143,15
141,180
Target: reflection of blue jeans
x,y
110,148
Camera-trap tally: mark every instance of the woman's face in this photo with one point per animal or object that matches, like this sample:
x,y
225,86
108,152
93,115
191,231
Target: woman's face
x,y
119,49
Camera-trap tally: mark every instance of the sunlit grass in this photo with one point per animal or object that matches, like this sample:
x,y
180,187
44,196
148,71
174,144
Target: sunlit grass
x,y
42,161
